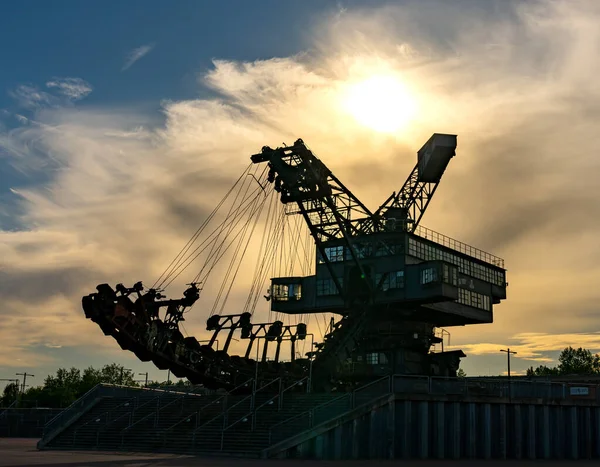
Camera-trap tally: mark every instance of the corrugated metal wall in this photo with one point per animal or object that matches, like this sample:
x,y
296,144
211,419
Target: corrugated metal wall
x,y
460,430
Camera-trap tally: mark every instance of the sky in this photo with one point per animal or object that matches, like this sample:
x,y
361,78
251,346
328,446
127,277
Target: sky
x,y
123,123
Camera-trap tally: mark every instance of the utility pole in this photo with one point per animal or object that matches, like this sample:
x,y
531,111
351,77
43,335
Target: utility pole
x,y
508,353
146,374
14,381
169,376
24,375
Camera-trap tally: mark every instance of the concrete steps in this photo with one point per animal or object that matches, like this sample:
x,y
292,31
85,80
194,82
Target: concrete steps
x,y
194,424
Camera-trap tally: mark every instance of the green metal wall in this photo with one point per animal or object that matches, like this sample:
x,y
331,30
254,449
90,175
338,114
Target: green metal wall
x,y
459,430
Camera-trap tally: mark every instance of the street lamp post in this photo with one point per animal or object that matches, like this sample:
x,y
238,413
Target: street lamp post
x,y
146,374
508,353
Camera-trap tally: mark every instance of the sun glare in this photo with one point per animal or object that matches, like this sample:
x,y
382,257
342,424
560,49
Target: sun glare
x,y
382,103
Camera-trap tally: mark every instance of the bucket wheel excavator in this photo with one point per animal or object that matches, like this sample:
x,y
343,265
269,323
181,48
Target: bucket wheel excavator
x,y
387,283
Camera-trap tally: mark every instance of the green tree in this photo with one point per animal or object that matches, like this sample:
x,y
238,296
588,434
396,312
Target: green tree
x,y
578,362
9,395
64,387
91,377
461,373
542,370
570,362
68,385
117,374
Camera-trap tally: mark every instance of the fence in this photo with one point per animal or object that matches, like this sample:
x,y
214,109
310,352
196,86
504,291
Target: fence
x,y
107,390
25,423
428,385
488,387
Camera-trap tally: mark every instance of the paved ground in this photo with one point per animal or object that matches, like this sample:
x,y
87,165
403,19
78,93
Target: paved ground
x,y
22,452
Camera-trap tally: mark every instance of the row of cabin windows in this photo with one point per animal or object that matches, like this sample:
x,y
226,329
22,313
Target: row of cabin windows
x,y
428,252
341,253
431,275
474,299
373,358
393,280
327,287
286,292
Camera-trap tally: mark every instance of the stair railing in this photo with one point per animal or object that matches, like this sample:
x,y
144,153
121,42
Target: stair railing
x,y
102,429
157,399
188,416
4,413
156,413
226,417
223,414
103,415
308,414
178,399
296,383
202,409
387,379
253,408
79,404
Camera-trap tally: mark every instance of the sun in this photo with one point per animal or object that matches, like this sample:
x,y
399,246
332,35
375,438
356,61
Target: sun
x,y
381,102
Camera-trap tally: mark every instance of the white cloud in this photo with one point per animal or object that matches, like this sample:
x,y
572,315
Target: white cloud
x,y
137,54
127,193
31,97
73,88
536,347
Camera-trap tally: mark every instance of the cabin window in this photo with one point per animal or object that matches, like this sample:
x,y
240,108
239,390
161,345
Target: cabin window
x,y
373,358
376,358
286,292
450,275
428,252
428,276
335,253
394,280
327,287
474,299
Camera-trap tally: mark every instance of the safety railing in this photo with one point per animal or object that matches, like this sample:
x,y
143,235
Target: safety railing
x,y
73,409
253,407
197,413
109,390
491,387
160,408
5,411
372,390
300,382
102,417
461,247
155,400
310,418
224,415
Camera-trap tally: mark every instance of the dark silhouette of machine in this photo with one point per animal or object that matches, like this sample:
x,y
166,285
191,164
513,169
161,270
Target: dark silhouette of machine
x,y
391,282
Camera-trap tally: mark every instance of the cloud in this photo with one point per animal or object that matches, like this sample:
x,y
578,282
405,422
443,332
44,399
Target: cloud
x,y
137,54
73,88
31,97
126,191
535,347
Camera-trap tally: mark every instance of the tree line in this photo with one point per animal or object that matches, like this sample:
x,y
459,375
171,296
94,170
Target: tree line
x,y
68,385
570,362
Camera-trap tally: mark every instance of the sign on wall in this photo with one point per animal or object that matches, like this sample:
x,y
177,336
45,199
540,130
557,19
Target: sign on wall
x,y
579,391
